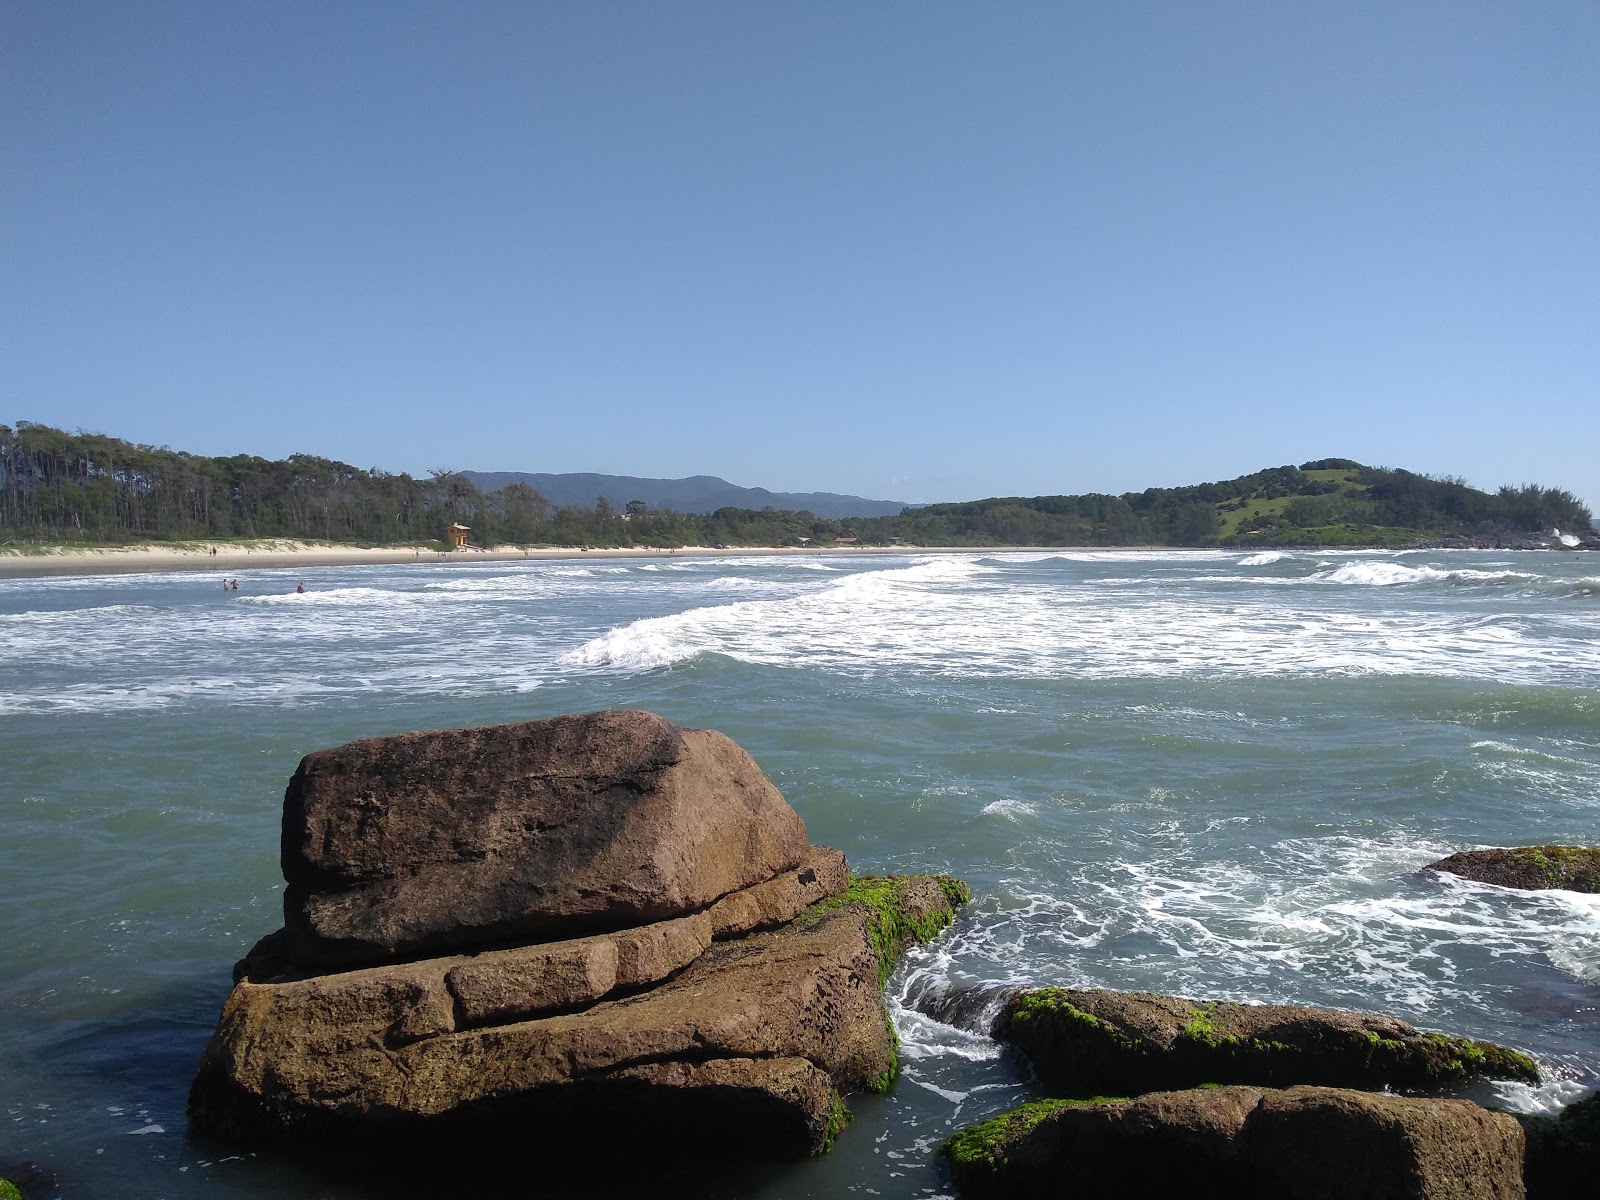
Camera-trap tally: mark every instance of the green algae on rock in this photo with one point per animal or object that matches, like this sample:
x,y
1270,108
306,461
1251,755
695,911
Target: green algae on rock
x,y
1530,868
900,913
1242,1143
8,1190
1089,1042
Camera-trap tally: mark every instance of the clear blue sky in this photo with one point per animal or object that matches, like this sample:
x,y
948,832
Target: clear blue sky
x,y
908,250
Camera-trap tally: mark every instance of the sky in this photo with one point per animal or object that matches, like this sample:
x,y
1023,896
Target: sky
x,y
915,251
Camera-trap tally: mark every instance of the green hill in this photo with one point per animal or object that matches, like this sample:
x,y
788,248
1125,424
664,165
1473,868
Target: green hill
x,y
90,489
1331,502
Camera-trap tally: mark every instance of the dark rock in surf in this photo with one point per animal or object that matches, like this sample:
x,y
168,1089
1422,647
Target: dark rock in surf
x,y
400,846
1244,1143
1563,1158
1531,868
1091,1042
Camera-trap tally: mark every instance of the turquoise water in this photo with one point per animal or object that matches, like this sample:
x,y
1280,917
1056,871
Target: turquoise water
x,y
1207,773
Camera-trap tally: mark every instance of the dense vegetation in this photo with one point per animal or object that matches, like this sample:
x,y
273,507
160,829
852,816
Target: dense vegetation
x,y
78,487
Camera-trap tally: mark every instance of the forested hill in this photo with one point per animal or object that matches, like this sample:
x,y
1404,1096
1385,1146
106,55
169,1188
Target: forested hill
x,y
696,494
91,489
1330,502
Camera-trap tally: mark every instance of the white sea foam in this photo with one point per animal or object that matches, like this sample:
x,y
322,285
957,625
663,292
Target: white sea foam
x,y
1036,616
1263,559
1010,809
959,617
1383,574
1337,920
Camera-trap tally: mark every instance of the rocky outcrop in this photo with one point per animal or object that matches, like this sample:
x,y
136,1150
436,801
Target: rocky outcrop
x,y
1532,868
1300,1143
1091,1042
666,949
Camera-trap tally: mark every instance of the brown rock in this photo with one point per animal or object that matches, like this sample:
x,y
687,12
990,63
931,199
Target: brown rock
x,y
822,872
1093,1042
427,842
1330,1144
496,987
1532,868
512,985
807,991
768,1107
1245,1143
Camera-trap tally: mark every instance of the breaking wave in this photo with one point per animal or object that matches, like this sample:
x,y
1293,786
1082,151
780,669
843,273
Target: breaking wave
x,y
978,619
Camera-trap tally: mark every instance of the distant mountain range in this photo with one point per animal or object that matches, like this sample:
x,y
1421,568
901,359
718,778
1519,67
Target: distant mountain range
x,y
696,494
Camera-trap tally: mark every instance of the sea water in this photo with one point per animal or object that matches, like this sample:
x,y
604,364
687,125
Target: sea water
x,y
1214,774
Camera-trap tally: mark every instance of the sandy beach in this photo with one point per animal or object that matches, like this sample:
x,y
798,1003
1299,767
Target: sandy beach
x,y
292,554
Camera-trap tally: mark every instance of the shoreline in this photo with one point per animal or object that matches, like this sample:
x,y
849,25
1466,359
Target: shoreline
x,y
288,555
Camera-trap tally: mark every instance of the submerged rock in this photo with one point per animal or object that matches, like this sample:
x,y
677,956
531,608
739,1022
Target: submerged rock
x,y
669,956
1243,1143
1532,868
401,846
1091,1042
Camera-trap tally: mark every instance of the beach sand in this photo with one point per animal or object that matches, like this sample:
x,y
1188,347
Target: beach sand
x,y
293,554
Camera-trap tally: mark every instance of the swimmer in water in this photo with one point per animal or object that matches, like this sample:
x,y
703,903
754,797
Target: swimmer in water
x,y
301,588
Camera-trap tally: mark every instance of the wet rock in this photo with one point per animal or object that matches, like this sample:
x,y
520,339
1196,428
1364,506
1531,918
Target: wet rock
x,y
27,1181
424,843
383,1052
1563,1159
1532,868
1091,1042
1243,1143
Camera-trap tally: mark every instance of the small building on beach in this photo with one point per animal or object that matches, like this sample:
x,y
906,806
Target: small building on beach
x,y
458,537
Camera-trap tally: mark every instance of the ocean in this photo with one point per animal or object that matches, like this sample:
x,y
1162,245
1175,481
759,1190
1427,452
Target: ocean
x,y
1209,773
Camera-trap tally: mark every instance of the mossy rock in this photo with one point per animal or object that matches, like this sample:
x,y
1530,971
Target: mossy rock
x,y
8,1190
1094,1042
1241,1143
902,911
1531,868
1563,1155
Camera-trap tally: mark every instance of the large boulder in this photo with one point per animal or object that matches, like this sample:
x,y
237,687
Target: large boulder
x,y
404,846
1244,1143
1531,868
767,1029
1093,1042
588,927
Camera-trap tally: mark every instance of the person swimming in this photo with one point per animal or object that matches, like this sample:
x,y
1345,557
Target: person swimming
x,y
301,588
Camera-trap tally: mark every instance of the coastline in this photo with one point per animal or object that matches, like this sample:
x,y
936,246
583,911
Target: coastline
x,y
289,555
286,555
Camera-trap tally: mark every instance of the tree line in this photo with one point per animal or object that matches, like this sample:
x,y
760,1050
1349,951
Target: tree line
x,y
93,489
